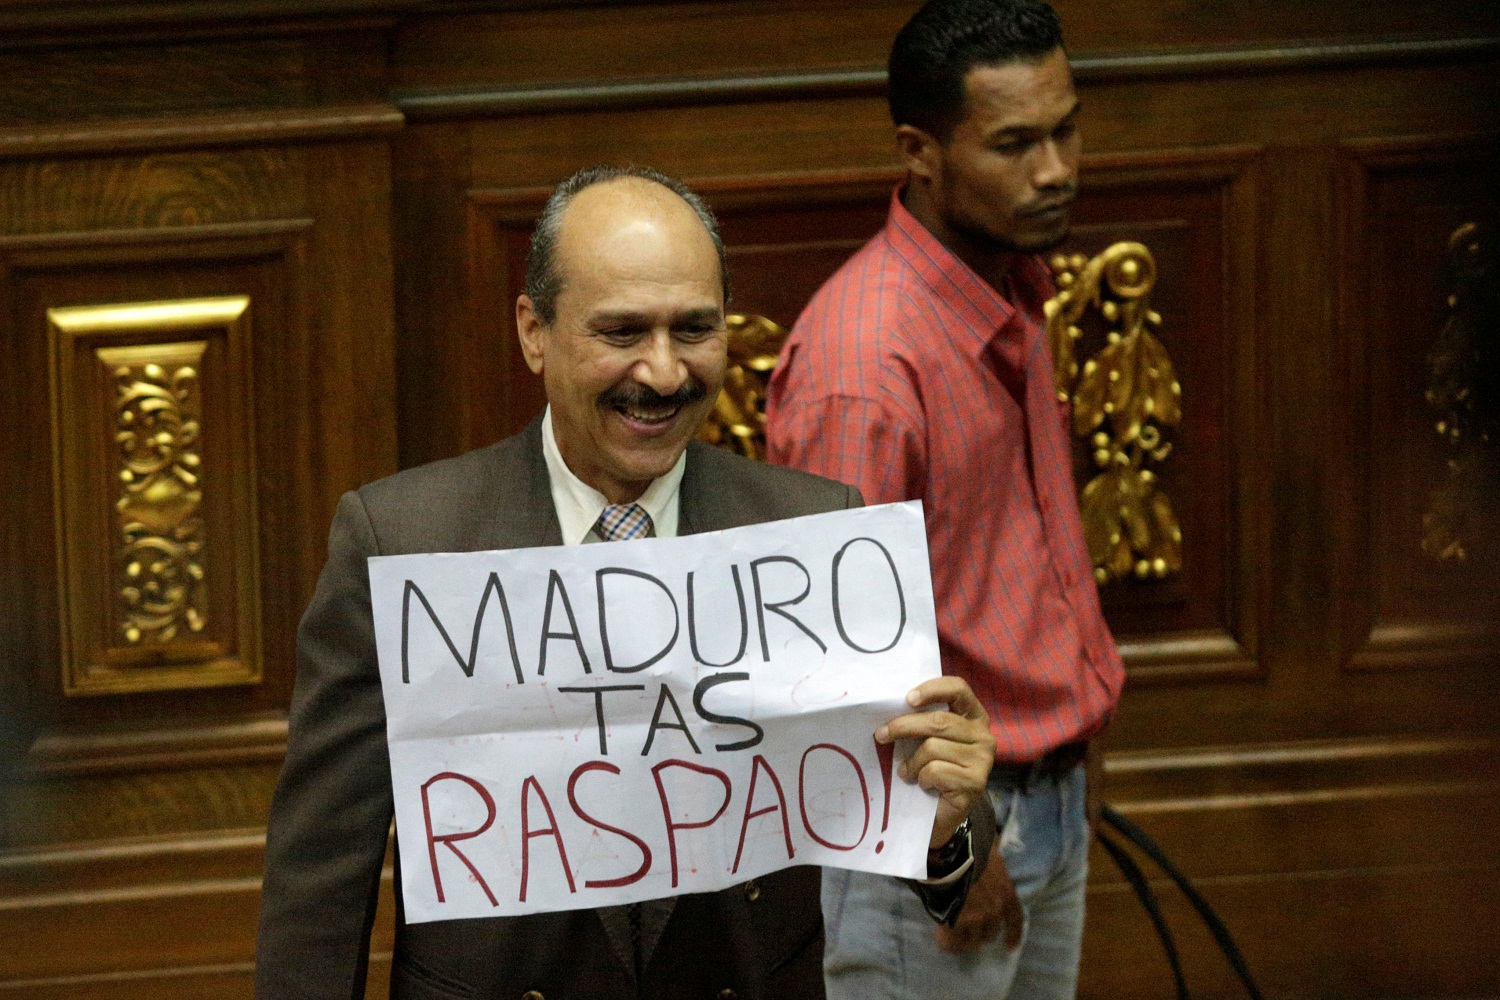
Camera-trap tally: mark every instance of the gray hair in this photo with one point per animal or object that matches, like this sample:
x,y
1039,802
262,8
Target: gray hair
x,y
544,281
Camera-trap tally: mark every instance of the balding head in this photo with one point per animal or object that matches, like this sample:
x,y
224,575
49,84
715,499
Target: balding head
x,y
633,351
544,276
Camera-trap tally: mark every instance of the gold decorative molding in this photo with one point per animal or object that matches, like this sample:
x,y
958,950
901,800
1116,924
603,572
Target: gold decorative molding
x,y
1465,365
738,420
154,468
161,589
1130,386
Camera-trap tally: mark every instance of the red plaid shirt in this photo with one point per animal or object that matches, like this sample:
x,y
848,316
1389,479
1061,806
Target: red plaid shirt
x,y
910,377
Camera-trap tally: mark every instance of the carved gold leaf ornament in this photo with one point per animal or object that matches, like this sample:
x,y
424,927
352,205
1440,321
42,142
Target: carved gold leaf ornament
x,y
154,472
1465,375
1122,398
162,587
738,420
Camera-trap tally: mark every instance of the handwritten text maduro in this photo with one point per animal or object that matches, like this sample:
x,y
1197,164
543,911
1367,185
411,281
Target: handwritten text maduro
x,y
585,726
621,594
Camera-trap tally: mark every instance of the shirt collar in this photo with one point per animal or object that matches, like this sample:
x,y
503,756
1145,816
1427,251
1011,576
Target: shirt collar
x,y
985,309
579,504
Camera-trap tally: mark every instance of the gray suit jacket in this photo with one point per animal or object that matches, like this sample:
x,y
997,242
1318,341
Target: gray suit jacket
x,y
333,804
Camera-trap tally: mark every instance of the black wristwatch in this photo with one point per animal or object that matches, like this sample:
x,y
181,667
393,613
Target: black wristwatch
x,y
953,854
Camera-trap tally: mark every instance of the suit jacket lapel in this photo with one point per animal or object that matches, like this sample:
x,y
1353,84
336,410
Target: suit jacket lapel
x,y
616,921
521,512
700,505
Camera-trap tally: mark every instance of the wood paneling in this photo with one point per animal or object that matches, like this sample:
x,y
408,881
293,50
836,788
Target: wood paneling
x,y
1345,934
164,917
237,160
1310,714
1196,211
256,261
1265,830
1403,200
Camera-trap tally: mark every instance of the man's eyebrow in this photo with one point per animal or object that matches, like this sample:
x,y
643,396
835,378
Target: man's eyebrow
x,y
1015,131
707,314
620,317
635,318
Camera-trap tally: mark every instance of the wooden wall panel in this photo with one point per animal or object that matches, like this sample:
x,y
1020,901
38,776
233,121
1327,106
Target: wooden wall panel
x,y
546,43
249,163
1404,201
1265,832
169,919
786,234
166,238
167,763
1195,210
1309,939
256,261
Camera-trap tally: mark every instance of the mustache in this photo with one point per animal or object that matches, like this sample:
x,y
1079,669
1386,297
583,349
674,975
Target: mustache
x,y
633,395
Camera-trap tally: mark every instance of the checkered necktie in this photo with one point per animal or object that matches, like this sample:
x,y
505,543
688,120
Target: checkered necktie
x,y
621,522
618,523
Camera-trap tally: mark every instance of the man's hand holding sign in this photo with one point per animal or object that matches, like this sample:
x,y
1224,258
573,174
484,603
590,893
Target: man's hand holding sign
x,y
956,752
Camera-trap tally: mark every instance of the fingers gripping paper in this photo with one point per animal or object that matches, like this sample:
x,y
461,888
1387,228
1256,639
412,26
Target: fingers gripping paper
x,y
600,724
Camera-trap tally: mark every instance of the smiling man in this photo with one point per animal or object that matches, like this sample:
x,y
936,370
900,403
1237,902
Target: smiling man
x,y
623,318
921,370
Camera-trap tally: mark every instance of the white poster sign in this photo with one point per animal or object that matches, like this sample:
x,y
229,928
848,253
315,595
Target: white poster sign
x,y
584,726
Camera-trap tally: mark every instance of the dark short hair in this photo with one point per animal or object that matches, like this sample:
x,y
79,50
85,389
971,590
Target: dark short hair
x,y
936,49
544,281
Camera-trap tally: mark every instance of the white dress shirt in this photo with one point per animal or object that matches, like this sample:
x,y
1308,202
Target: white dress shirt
x,y
579,504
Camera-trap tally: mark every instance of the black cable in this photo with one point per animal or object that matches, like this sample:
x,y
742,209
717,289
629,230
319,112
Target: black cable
x,y
1216,927
1147,896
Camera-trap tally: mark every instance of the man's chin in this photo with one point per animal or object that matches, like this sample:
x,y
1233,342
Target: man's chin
x,y
1033,242
642,461
624,478
1043,242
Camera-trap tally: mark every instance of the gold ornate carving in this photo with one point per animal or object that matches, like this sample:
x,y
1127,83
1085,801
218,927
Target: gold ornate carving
x,y
738,420
154,462
1465,366
1122,398
161,589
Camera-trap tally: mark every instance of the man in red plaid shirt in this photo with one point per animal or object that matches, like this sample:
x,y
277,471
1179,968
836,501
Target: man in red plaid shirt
x,y
921,370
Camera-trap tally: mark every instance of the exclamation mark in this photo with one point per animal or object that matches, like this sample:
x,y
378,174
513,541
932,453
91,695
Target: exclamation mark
x,y
887,754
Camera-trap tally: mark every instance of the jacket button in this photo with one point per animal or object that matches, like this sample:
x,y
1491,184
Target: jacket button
x,y
752,893
533,995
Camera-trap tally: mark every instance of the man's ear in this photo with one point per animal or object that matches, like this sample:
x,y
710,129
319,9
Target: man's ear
x,y
532,331
921,153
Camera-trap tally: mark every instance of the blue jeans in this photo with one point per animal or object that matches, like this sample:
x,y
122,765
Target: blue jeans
x,y
880,939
